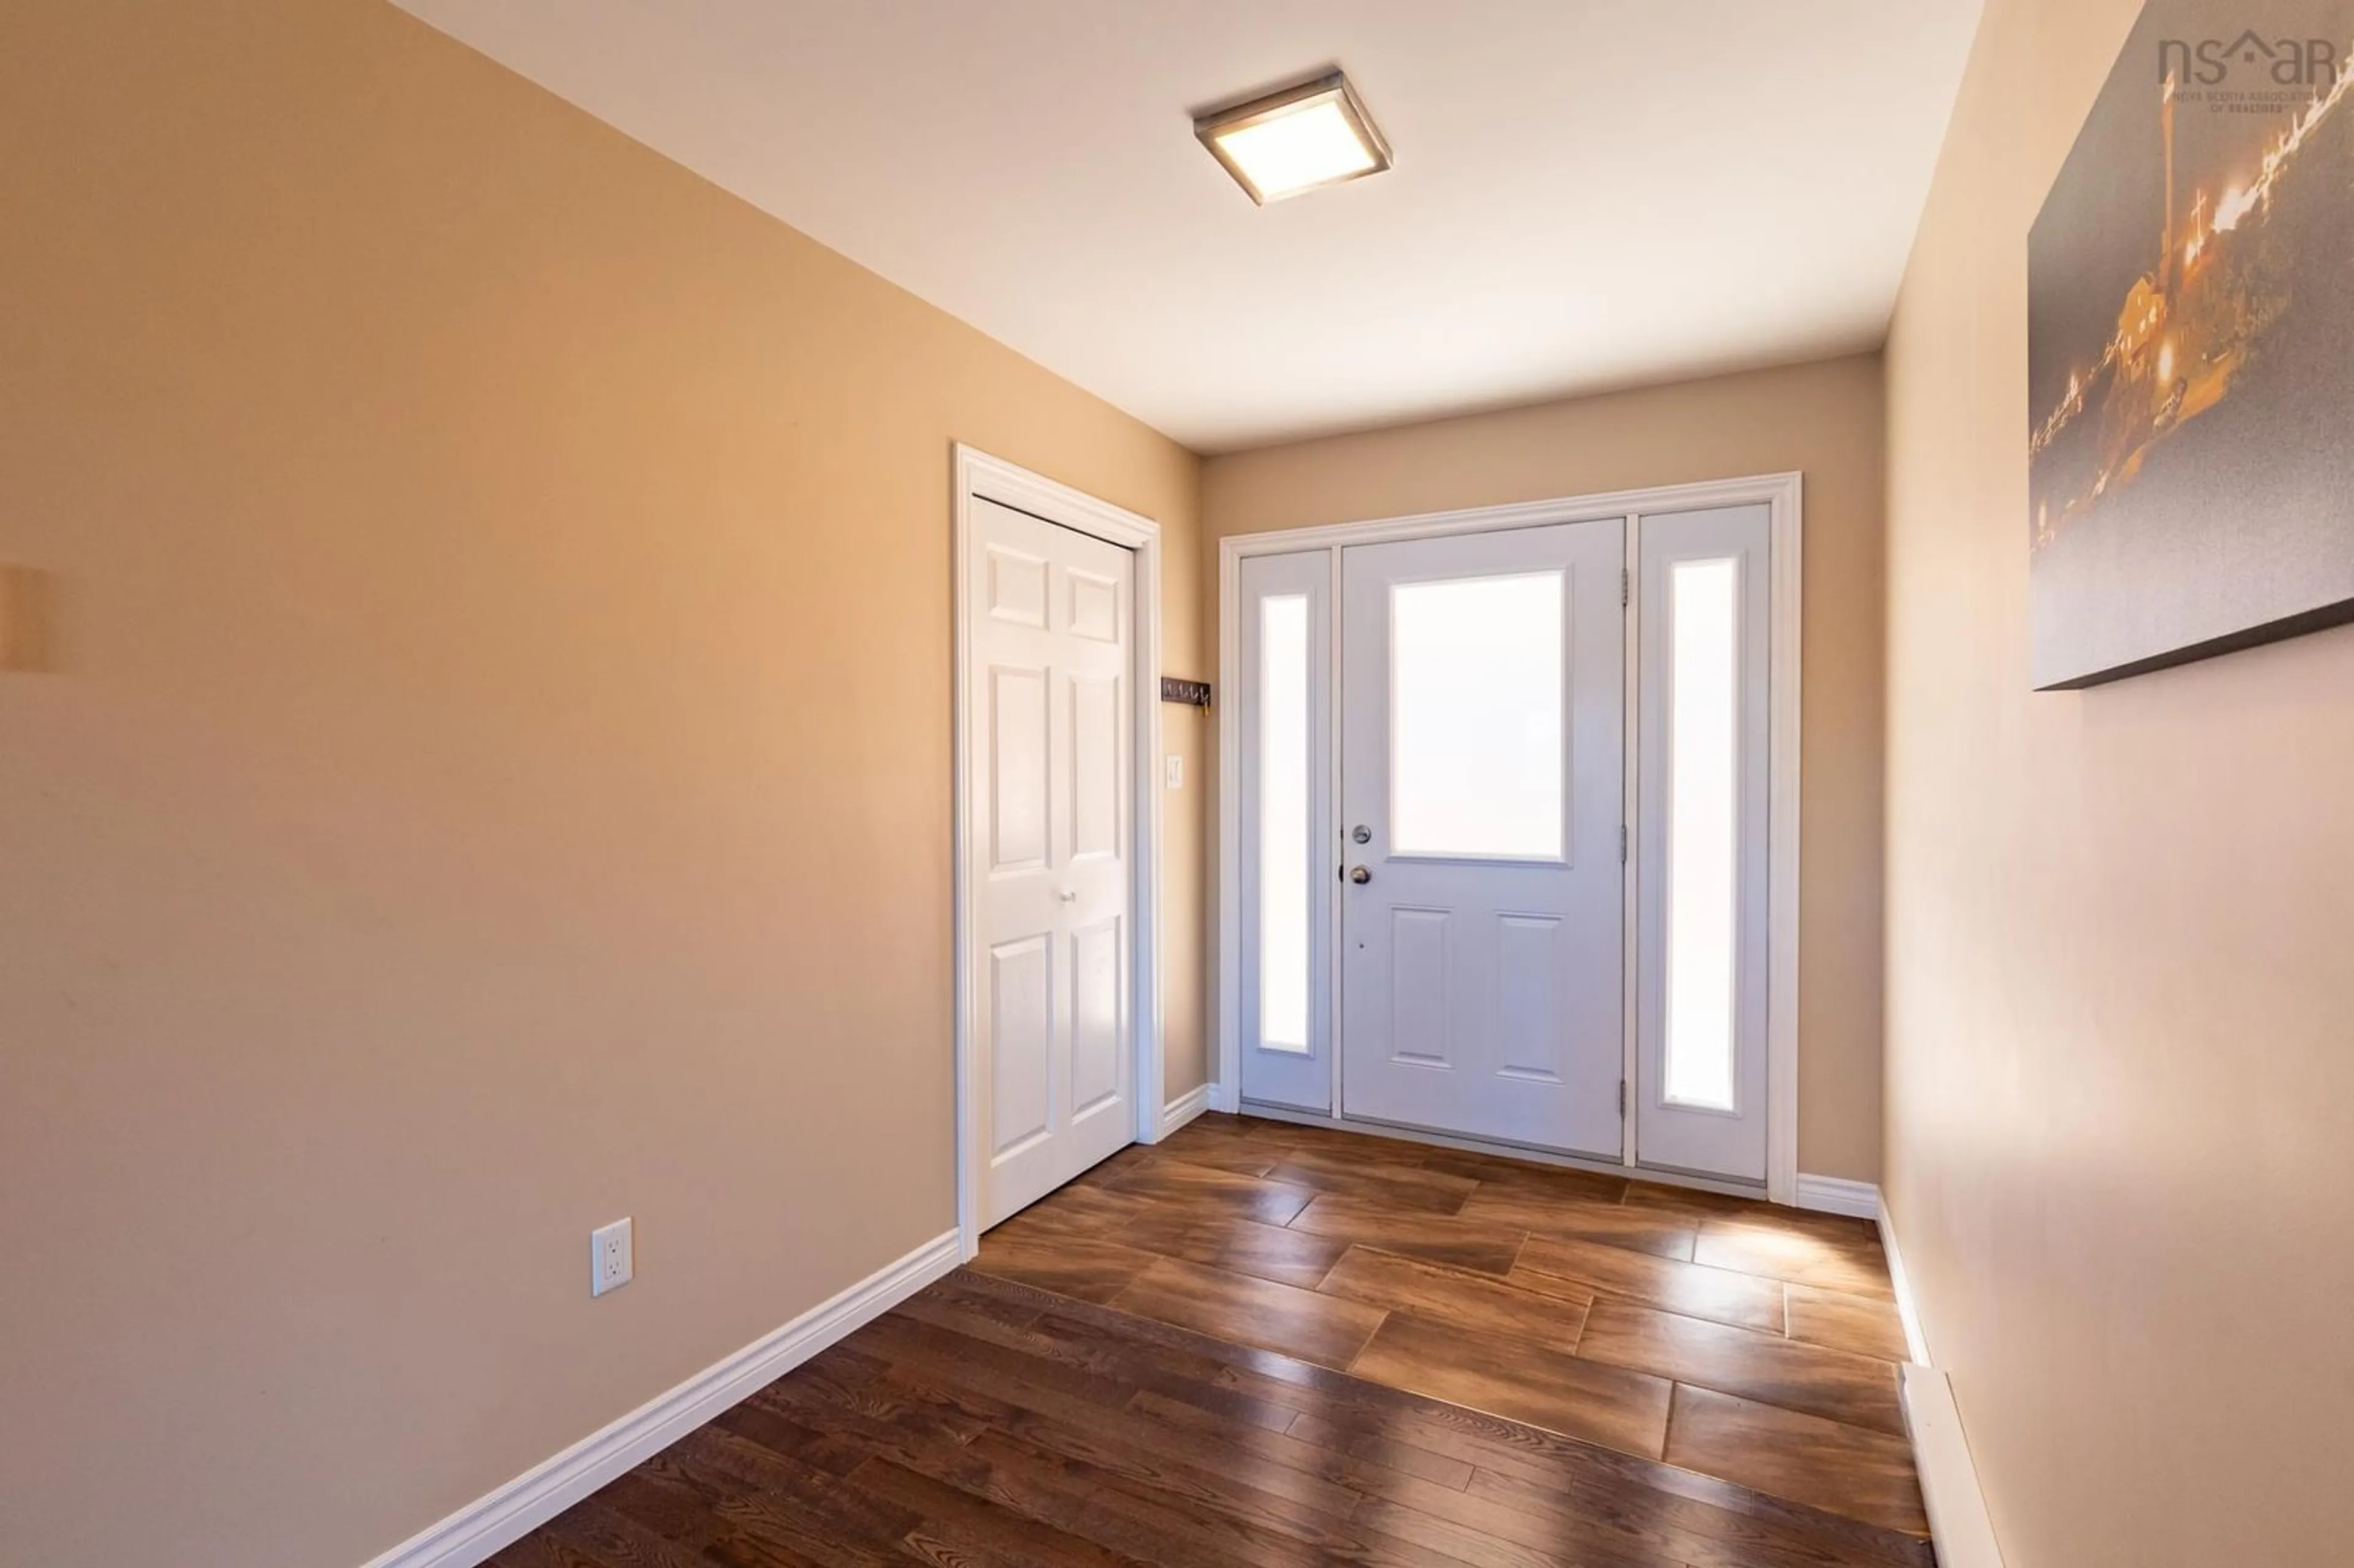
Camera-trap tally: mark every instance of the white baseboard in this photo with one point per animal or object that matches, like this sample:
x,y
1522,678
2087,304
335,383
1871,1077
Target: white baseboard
x,y
1958,1527
1838,1195
1916,1343
1183,1109
531,1499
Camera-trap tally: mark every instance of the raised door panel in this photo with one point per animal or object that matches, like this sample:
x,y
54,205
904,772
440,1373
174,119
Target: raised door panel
x,y
1098,1016
1531,1031
1095,606
1020,829
1419,1032
1021,1033
1095,745
1015,586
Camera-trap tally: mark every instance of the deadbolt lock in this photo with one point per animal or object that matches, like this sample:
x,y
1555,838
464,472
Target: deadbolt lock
x,y
1362,835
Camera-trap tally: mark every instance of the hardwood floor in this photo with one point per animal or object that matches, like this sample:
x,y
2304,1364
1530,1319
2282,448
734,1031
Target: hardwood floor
x,y
1755,1344
985,1424
1262,1344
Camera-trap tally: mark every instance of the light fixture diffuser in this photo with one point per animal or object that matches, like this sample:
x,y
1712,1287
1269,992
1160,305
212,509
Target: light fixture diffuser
x,y
1300,138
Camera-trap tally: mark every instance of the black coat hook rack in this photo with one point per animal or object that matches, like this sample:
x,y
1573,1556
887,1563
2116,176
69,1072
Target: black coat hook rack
x,y
1193,694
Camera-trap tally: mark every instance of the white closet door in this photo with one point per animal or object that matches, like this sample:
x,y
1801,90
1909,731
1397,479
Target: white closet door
x,y
1702,773
1483,917
1051,708
1285,724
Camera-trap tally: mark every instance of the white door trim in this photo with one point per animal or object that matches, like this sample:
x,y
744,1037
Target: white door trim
x,y
1782,494
980,476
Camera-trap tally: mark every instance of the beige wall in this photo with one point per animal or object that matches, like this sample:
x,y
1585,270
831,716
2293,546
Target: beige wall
x,y
1823,420
491,775
2120,1059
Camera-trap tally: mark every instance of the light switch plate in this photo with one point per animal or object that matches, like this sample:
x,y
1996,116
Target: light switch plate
x,y
1173,769
611,1264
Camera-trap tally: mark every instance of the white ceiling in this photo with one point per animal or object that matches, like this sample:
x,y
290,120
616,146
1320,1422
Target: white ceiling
x,y
1588,193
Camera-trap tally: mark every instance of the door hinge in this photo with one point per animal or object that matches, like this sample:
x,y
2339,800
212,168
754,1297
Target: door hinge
x,y
1622,1097
1625,588
1622,843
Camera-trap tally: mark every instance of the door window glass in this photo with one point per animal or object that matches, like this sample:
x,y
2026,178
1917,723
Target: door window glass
x,y
1703,829
1283,822
1475,765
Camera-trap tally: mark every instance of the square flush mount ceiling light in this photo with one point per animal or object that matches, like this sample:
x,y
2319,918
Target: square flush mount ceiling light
x,y
1316,134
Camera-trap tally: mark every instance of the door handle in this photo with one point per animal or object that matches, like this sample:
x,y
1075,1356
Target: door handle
x,y
1360,876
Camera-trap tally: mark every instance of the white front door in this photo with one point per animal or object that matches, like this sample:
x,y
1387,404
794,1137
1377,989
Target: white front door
x,y
1052,727
1482,917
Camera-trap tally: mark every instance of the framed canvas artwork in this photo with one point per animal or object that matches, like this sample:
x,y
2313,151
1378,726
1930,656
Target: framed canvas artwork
x,y
2191,347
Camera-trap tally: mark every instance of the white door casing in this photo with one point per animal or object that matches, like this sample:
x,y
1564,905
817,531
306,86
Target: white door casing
x,y
1050,840
1483,721
1702,744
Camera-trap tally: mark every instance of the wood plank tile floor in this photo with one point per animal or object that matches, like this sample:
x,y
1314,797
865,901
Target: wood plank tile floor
x,y
1755,1344
986,1423
1257,1344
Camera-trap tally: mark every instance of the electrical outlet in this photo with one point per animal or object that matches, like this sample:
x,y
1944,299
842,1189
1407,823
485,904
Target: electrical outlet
x,y
610,1261
1172,768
